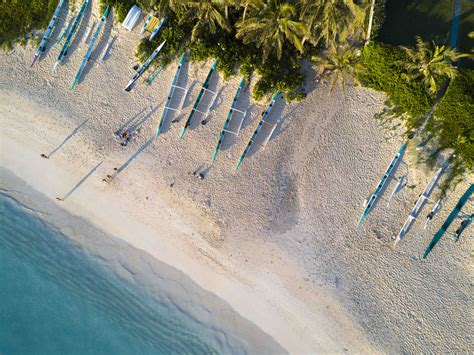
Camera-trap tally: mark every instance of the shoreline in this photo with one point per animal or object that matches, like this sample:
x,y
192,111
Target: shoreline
x,y
277,240
194,257
117,261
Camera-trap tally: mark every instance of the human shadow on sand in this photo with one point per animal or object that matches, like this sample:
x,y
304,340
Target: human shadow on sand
x,y
50,154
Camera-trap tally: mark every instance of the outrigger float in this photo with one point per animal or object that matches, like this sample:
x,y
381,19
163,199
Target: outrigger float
x,y
174,86
69,37
452,216
262,122
47,33
142,69
419,205
90,48
376,194
154,75
230,115
65,30
204,89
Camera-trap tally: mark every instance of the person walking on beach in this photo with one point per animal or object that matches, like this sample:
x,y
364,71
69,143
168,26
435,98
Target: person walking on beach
x,y
44,156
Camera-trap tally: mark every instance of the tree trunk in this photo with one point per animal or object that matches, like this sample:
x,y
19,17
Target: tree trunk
x,y
371,17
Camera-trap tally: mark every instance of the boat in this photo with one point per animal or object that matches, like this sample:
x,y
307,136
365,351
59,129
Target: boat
x,y
146,23
395,189
376,194
90,48
432,213
87,34
259,127
170,96
47,33
154,75
158,28
204,88
452,216
225,129
419,205
142,69
132,18
69,37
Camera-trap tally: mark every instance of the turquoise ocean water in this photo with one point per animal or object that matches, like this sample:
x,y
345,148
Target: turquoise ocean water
x,y
56,299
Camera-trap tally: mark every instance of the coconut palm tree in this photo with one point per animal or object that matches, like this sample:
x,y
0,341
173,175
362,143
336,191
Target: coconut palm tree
x,y
328,19
252,4
270,27
431,63
340,62
207,14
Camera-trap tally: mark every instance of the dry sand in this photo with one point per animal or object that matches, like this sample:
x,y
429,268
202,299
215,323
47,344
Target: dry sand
x,y
277,239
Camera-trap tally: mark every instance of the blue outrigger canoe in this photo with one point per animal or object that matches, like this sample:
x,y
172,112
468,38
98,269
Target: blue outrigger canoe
x,y
452,216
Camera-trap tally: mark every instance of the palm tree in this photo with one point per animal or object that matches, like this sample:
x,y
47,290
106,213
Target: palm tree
x,y
207,14
340,62
327,19
253,4
270,27
430,62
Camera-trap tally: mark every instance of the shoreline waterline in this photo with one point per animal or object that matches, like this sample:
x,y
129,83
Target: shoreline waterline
x,y
130,287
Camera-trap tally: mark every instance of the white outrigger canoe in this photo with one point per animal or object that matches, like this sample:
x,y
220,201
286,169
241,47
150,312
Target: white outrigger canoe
x,y
265,114
69,37
47,33
376,194
174,86
419,205
226,128
90,48
145,65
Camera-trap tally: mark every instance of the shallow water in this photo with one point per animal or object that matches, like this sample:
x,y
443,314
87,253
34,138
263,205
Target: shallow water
x,y
56,299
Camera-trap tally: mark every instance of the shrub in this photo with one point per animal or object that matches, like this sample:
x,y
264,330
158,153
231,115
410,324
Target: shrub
x,y
383,72
453,122
20,17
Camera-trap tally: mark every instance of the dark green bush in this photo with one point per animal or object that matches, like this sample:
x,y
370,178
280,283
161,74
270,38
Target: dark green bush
x,y
17,18
383,72
453,122
232,54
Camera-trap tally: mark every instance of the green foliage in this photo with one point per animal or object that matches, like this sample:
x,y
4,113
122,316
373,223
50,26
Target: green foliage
x,y
383,71
232,54
453,122
17,18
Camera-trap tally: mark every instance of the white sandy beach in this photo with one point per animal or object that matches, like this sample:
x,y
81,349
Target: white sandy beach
x,y
278,239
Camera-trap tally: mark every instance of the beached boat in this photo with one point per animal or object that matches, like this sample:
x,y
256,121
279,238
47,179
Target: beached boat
x,y
226,129
257,130
376,194
452,216
47,33
158,28
132,18
71,34
142,31
145,65
90,48
204,89
419,205
170,96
